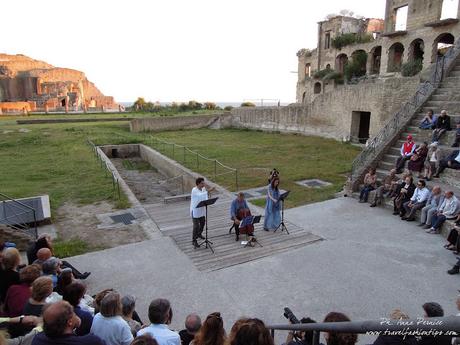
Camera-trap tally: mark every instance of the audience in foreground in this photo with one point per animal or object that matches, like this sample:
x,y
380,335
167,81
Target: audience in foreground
x,y
192,326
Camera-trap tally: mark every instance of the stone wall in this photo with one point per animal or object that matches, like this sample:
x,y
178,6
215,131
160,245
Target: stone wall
x,y
330,114
162,123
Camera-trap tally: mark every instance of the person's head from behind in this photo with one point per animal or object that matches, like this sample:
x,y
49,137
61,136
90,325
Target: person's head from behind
x,y
111,305
11,259
433,309
160,311
308,335
51,266
44,241
192,323
59,319
98,299
74,292
28,274
212,331
145,339
199,182
333,338
42,287
65,277
128,304
250,332
398,314
44,254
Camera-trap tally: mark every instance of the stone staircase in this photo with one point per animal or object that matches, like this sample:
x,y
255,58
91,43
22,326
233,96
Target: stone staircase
x,y
446,96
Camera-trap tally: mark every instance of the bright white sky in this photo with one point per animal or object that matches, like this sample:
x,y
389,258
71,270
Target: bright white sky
x,y
174,50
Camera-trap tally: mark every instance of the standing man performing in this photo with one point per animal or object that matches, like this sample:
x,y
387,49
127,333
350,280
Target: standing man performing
x,y
199,193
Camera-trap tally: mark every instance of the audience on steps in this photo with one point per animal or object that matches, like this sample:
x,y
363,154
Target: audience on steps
x,y
370,181
406,152
442,126
429,121
417,160
432,161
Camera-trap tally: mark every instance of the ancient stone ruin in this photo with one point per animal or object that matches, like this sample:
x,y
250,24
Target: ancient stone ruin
x,y
31,85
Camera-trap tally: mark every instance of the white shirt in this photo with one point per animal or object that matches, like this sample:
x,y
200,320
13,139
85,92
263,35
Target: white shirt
x,y
449,207
458,158
420,195
162,334
196,197
113,330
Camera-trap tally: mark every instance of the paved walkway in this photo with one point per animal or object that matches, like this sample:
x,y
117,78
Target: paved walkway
x,y
368,263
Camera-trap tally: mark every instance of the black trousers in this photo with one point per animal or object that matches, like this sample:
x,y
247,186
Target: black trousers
x,y
401,162
443,164
198,226
454,239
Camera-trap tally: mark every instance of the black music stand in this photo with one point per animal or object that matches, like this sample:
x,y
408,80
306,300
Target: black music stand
x,y
251,220
206,203
282,225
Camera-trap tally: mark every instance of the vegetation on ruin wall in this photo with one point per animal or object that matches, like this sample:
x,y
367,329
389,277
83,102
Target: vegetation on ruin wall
x,y
347,39
357,66
329,74
411,68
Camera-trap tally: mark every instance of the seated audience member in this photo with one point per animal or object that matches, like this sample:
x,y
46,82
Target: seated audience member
x,y
192,326
333,338
52,268
417,201
45,241
160,316
432,161
370,183
433,309
452,161
73,293
407,150
23,320
59,321
386,187
429,121
128,304
396,314
18,294
301,338
405,194
434,201
447,210
417,161
456,142
145,339
9,274
453,239
212,331
65,278
43,254
442,125
249,332
396,186
99,297
108,323
238,205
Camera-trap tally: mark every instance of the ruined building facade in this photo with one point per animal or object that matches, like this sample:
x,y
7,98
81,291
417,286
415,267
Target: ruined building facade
x,y
413,31
31,85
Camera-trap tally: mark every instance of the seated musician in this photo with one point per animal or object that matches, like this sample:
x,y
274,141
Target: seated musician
x,y
238,211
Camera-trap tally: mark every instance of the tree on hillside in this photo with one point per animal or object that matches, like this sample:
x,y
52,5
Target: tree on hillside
x,y
139,104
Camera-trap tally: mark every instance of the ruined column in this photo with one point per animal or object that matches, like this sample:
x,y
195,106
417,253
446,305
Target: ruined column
x,y
46,108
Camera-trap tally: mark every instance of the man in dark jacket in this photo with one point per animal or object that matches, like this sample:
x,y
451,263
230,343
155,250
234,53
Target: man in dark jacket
x,y
452,161
442,125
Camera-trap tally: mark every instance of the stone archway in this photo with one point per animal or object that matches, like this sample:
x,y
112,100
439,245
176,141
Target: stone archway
x,y
395,57
340,61
441,44
416,50
317,88
375,57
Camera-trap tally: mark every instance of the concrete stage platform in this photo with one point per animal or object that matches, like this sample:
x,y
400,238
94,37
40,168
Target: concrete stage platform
x,y
368,263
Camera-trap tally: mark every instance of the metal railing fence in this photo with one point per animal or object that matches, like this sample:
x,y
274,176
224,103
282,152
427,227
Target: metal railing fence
x,y
16,215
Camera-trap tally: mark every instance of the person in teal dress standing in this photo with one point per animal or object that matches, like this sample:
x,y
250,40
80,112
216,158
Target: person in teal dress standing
x,y
272,217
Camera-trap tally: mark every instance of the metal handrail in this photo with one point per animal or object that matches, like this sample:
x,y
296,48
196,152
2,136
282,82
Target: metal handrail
x,y
15,204
449,326
395,125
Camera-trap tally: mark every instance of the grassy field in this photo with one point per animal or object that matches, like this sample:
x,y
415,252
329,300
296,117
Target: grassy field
x,y
54,159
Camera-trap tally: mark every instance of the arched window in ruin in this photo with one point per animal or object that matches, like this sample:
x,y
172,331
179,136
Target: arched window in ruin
x,y
359,58
441,44
303,97
317,88
308,70
395,56
328,66
449,9
416,50
375,56
340,61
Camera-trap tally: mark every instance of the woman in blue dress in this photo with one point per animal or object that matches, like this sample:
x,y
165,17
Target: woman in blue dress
x,y
272,217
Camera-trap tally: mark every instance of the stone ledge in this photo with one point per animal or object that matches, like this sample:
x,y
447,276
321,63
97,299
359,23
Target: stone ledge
x,y
443,22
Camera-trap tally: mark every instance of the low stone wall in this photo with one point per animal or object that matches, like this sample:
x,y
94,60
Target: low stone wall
x,y
162,123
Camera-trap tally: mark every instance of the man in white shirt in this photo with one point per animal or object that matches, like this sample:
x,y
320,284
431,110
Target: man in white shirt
x,y
417,201
160,315
199,193
447,210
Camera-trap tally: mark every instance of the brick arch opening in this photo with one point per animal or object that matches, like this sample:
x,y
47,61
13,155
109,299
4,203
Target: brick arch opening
x,y
441,44
416,50
375,57
340,62
317,88
308,70
395,56
359,57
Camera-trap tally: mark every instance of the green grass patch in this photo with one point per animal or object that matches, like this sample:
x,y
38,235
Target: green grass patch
x,y
72,247
136,165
